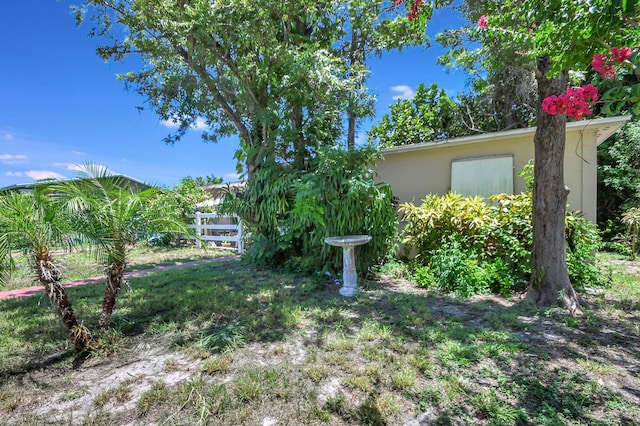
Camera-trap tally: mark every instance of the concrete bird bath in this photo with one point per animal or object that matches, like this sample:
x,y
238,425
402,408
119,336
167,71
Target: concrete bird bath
x,y
349,274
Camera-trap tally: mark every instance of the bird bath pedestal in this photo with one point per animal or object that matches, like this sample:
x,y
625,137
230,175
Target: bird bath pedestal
x,y
349,274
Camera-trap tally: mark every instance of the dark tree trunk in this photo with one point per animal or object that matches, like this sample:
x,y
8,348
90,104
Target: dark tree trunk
x,y
112,287
299,144
355,58
49,277
550,284
351,129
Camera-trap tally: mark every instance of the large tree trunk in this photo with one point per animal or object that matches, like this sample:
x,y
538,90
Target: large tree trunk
x,y
112,287
550,284
355,58
49,277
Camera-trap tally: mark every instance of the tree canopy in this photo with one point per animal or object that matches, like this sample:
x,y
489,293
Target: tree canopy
x,y
430,115
280,74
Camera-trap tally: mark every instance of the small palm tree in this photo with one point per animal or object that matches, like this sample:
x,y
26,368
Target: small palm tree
x,y
36,223
631,218
107,210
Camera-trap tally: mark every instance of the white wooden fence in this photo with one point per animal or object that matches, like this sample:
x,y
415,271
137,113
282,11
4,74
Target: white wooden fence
x,y
220,229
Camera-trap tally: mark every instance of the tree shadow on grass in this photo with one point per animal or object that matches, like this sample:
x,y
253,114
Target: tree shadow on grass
x,y
496,358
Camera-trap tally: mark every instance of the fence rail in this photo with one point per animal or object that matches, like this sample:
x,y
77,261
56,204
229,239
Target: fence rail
x,y
218,229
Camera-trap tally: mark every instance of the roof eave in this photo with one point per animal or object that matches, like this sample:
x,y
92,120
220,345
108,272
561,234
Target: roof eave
x,y
604,127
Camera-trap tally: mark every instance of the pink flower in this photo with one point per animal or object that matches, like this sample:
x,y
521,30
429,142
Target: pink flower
x,y
483,22
603,64
574,103
589,92
549,104
620,55
415,9
398,2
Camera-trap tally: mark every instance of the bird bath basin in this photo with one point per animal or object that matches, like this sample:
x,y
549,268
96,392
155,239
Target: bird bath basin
x,y
349,274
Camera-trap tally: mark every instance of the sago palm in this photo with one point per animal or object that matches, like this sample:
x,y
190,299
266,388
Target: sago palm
x,y
107,210
36,224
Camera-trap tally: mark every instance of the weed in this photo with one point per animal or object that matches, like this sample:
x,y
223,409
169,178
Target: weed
x,y
221,337
369,414
404,379
103,397
571,321
337,404
391,352
372,330
340,344
158,394
498,412
388,405
99,418
504,318
360,381
70,396
119,393
338,360
430,396
317,372
595,366
249,387
321,414
216,364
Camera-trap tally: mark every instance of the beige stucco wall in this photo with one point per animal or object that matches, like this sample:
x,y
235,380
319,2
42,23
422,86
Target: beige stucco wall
x,y
415,171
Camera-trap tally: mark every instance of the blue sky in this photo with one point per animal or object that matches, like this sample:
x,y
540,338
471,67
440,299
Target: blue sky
x,y
60,105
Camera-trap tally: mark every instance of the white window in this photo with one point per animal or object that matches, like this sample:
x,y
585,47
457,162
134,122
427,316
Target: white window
x,y
483,176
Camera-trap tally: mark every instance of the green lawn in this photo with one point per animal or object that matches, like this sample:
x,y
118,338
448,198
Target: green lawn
x,y
83,264
257,346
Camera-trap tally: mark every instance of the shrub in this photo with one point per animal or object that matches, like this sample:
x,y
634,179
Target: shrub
x,y
290,213
430,224
583,241
342,197
467,247
511,235
457,270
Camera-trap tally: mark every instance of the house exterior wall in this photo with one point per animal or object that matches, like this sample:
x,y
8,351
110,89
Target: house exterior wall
x,y
416,171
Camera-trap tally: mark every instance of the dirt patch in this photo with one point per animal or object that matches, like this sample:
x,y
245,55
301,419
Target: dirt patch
x,y
66,393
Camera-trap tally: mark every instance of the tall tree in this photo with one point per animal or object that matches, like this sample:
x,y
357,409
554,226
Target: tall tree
x,y
279,73
551,38
428,116
240,65
500,98
37,224
369,28
287,76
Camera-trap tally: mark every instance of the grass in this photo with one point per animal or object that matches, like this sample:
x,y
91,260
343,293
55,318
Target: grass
x,y
84,264
267,345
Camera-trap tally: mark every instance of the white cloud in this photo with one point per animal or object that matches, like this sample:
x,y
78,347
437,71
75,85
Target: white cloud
x,y
82,154
68,166
36,174
13,159
199,124
232,176
404,92
8,137
172,124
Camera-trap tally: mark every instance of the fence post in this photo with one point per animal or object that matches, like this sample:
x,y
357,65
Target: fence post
x,y
198,231
240,237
